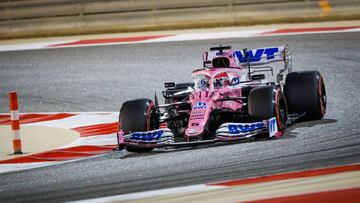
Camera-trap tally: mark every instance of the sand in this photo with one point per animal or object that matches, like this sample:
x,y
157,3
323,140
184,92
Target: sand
x,y
35,139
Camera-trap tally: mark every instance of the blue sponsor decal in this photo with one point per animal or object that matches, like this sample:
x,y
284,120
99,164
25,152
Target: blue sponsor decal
x,y
147,136
203,84
272,127
245,128
235,81
256,57
200,105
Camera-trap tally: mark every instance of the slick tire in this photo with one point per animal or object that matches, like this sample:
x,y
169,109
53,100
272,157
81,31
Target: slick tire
x,y
305,93
135,116
267,102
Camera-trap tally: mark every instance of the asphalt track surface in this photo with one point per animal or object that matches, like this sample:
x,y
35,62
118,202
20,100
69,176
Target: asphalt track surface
x,y
101,78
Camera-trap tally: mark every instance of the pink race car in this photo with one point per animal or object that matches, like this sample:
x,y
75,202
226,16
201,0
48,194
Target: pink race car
x,y
236,95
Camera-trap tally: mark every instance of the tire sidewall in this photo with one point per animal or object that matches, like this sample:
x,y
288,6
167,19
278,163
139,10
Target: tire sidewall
x,y
280,102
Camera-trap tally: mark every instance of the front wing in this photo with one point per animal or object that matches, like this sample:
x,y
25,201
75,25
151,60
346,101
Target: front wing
x,y
227,132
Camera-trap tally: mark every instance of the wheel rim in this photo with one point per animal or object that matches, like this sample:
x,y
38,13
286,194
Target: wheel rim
x,y
281,110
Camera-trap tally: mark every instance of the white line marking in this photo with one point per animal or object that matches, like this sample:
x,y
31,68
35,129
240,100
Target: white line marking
x,y
30,46
207,36
80,120
309,32
98,140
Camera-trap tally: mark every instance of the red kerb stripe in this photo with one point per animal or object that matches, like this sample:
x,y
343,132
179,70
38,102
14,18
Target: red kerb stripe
x,y
299,30
343,196
109,40
33,118
99,129
285,176
61,154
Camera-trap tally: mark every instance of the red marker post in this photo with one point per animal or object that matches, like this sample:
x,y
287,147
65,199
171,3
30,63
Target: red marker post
x,y
15,122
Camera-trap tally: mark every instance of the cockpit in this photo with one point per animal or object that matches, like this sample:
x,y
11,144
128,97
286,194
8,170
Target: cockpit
x,y
216,79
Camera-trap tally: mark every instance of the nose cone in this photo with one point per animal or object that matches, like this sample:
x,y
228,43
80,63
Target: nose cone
x,y
194,131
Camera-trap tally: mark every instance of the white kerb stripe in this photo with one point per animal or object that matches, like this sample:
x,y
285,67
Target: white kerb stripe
x,y
14,115
153,193
16,134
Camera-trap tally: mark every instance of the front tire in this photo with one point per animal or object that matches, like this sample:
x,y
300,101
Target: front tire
x,y
267,102
136,116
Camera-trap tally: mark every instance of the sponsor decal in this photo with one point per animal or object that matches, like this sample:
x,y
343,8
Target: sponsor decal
x,y
200,105
235,81
203,83
245,128
257,54
197,117
147,136
272,127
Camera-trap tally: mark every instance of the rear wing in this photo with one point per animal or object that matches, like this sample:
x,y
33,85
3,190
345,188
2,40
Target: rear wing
x,y
257,62
253,57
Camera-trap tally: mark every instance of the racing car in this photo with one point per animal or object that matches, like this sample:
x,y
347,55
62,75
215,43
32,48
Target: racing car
x,y
236,95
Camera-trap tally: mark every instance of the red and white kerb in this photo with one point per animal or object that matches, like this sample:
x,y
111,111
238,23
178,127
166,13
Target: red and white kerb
x,y
15,122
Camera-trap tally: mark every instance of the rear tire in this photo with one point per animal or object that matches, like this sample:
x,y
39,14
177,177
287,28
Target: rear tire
x,y
305,93
136,116
261,106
